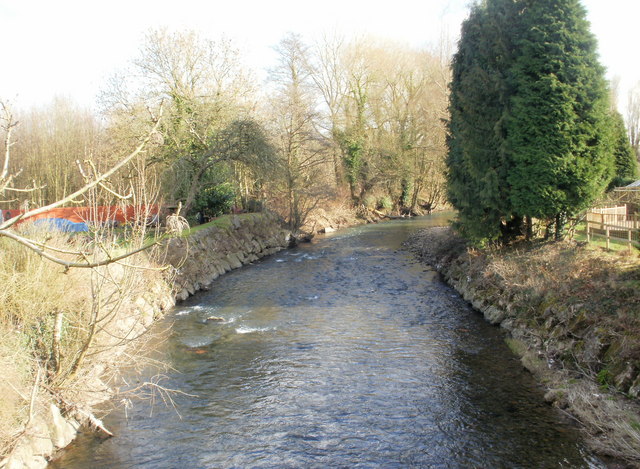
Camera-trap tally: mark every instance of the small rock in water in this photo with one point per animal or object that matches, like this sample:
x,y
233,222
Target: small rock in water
x,y
214,319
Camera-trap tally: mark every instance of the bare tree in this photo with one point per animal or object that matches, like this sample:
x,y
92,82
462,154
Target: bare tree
x,y
633,118
327,73
47,143
205,87
388,120
303,155
8,124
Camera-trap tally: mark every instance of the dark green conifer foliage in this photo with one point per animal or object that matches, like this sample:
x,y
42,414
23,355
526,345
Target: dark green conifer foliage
x,y
557,131
477,164
626,170
529,127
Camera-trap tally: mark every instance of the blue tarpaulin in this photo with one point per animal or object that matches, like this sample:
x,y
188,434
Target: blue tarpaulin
x,y
62,224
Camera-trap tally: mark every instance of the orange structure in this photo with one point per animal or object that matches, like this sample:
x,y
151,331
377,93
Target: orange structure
x,y
101,214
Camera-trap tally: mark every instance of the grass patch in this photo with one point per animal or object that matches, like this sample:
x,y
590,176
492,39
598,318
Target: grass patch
x,y
223,222
598,241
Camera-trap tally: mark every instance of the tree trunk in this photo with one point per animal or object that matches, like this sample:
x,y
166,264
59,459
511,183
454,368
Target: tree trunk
x,y
337,168
194,187
529,228
560,224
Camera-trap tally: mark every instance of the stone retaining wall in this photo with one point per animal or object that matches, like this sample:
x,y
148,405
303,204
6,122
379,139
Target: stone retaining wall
x,y
214,250
198,259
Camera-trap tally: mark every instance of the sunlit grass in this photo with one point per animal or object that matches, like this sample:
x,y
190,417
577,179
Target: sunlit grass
x,y
599,241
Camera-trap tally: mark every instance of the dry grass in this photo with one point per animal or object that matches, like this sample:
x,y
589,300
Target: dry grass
x,y
575,312
574,282
90,302
15,386
615,420
31,292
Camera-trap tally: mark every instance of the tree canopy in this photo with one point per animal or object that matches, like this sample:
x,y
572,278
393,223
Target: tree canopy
x,y
359,122
530,131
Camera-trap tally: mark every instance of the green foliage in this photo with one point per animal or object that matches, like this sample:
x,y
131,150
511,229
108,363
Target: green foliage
x,y
528,132
620,181
477,164
557,127
385,203
626,164
193,177
353,159
604,378
369,201
215,200
407,192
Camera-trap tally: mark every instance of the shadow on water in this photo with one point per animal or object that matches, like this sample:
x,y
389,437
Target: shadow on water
x,y
342,353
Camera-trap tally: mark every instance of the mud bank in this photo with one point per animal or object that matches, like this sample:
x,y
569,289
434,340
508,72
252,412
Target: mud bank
x,y
571,316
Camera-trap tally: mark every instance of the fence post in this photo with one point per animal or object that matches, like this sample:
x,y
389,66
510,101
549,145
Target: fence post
x,y
629,243
608,239
588,234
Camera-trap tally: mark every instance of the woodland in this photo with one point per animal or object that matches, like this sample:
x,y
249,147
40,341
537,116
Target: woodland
x,y
360,121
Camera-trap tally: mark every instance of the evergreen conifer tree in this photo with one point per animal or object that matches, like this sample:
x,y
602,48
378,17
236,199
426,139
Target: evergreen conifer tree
x,y
477,165
557,126
529,127
626,167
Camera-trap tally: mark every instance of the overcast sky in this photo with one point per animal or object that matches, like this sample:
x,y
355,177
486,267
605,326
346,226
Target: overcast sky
x,y
70,47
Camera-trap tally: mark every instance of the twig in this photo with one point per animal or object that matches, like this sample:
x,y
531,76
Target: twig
x,y
82,190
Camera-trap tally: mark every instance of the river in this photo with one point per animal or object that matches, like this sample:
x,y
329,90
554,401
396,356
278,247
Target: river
x,y
342,353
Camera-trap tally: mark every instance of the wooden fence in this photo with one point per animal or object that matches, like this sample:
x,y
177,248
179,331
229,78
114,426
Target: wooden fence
x,y
613,223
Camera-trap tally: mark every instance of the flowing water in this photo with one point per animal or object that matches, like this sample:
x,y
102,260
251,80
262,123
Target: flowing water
x,y
341,353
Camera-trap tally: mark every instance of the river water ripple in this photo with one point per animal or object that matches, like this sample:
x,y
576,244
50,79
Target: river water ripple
x,y
342,353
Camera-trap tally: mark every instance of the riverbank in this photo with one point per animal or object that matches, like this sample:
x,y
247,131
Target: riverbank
x,y
573,316
42,411
346,333
224,244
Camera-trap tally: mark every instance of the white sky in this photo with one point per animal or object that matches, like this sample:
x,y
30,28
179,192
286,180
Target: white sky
x,y
70,47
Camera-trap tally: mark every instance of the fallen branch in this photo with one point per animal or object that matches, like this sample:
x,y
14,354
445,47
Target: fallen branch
x,y
95,421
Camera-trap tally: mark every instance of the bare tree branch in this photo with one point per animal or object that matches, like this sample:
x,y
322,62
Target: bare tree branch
x,y
96,180
90,185
40,250
8,124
